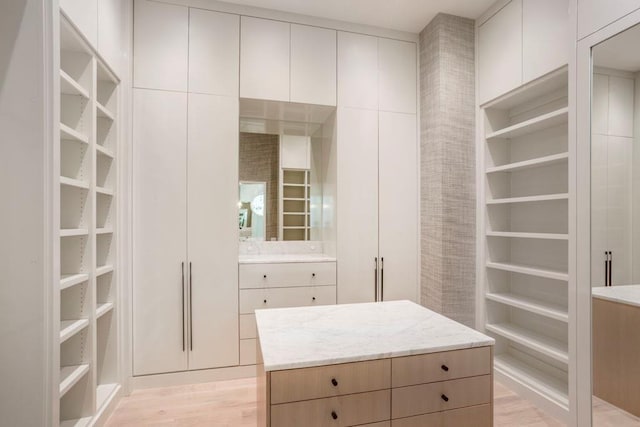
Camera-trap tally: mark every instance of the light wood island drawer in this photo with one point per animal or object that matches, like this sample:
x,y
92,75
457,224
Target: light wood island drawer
x,y
287,274
342,411
476,416
441,396
253,299
434,367
331,380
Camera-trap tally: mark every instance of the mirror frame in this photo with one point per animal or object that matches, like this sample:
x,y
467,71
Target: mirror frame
x,y
580,77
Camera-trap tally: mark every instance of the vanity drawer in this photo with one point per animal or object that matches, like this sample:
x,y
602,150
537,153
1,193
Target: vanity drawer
x,y
248,352
443,366
317,382
248,328
253,299
442,396
350,410
476,416
287,274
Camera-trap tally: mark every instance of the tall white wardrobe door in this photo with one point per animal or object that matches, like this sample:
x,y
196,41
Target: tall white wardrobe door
x,y
159,230
213,230
357,241
398,192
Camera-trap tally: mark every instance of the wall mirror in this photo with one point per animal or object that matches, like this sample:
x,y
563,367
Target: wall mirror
x,y
615,229
281,147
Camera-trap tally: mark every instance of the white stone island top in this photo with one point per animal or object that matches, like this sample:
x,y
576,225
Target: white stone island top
x,y
627,294
283,258
324,335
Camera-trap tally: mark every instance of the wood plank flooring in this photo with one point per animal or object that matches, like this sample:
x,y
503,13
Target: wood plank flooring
x,y
233,404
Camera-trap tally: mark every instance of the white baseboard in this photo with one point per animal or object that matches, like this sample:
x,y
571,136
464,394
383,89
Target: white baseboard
x,y
192,377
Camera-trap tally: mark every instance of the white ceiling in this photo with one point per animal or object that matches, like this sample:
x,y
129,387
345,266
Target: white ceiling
x,y
404,15
620,52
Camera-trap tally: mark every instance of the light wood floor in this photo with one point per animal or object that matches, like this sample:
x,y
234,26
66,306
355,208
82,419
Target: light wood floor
x,y
233,404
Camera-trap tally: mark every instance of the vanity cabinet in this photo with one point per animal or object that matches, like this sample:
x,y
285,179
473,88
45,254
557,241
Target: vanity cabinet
x,y
280,285
287,62
185,231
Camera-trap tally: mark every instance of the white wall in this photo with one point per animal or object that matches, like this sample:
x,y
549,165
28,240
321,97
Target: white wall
x,y
26,80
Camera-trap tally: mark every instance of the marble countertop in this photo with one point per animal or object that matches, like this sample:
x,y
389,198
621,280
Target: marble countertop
x,y
628,294
278,258
324,335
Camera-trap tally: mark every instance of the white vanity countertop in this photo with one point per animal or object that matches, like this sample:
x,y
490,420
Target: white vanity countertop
x,y
628,294
325,335
280,258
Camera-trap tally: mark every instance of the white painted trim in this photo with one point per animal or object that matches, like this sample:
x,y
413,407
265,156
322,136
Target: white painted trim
x,y
258,12
193,377
489,13
581,140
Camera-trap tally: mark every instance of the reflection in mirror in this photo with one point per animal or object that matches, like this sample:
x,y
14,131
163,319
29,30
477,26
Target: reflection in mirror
x,y
251,210
615,229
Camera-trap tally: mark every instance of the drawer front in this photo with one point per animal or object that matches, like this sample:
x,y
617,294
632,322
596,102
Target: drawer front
x,y
476,416
442,396
444,366
248,327
287,274
351,410
252,299
248,349
332,380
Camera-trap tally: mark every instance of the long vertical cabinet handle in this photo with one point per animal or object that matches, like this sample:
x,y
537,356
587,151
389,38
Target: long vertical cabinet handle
x,y
184,345
382,279
610,268
606,268
190,308
375,278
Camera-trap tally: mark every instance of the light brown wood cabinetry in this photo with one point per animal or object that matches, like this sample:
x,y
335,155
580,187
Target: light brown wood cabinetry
x,y
406,391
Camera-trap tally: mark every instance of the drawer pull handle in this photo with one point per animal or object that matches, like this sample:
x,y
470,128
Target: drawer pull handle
x,y
445,368
334,382
265,276
265,301
314,298
445,398
313,274
334,415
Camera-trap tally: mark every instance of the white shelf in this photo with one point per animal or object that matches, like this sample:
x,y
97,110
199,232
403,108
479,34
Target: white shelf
x,y
103,112
69,328
75,183
103,309
550,347
66,133
285,184
529,199
70,375
68,86
529,270
80,422
104,191
73,232
105,230
104,270
519,235
533,163
69,280
294,227
298,199
104,152
532,305
544,121
540,381
104,394
294,213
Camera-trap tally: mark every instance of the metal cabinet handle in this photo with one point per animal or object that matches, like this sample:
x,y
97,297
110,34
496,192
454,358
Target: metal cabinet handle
x,y
190,308
184,345
445,368
610,268
334,415
375,280
334,382
444,397
382,279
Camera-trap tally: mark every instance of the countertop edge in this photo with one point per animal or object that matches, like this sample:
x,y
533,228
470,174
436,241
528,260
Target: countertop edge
x,y
619,300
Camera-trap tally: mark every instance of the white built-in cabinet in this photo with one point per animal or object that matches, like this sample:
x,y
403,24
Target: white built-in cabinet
x,y
185,163
596,14
357,71
287,62
520,43
397,65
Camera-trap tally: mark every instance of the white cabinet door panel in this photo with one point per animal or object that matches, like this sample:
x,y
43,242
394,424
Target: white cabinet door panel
x,y
248,327
214,52
313,65
357,71
357,240
620,113
397,75
159,230
398,192
596,14
600,104
264,59
500,52
546,40
160,45
212,230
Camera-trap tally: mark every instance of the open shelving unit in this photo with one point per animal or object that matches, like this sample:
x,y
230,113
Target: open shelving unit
x,y
89,372
295,195
524,243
